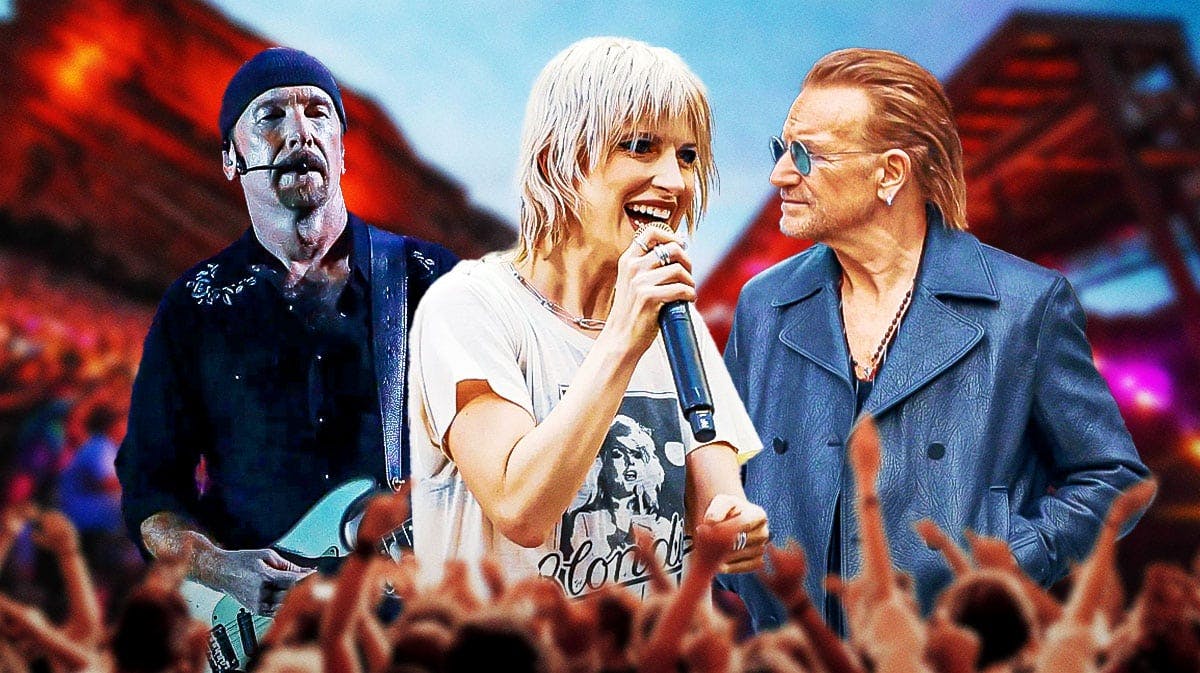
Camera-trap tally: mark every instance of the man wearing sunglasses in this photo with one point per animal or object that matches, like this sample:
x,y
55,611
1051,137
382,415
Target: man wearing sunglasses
x,y
973,362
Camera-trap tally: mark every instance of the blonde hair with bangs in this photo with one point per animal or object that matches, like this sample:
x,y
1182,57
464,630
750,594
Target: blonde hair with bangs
x,y
587,99
911,112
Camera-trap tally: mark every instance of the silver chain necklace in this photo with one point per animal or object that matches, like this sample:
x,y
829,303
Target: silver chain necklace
x,y
591,324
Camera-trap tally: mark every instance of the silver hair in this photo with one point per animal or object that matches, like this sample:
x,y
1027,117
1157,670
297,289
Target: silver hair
x,y
586,98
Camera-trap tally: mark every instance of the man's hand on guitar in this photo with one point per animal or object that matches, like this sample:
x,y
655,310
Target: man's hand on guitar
x,y
256,578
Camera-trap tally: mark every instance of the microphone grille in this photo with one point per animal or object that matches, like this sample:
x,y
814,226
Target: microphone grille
x,y
657,224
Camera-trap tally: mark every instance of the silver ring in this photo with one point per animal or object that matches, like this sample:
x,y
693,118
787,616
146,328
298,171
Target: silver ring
x,y
664,257
740,543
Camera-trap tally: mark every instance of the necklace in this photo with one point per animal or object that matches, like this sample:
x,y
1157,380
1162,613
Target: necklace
x,y
868,372
579,321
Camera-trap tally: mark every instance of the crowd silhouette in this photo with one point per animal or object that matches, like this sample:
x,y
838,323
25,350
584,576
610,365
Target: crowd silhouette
x,y
991,618
68,354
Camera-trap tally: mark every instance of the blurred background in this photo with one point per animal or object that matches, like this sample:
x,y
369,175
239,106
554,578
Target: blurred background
x,y
1080,122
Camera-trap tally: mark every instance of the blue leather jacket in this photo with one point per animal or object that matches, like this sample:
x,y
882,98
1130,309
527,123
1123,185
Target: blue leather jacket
x,y
991,411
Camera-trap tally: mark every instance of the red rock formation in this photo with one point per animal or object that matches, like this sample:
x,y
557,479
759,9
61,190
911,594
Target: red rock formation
x,y
110,143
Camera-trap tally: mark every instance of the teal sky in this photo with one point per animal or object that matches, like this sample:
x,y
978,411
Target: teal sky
x,y
455,76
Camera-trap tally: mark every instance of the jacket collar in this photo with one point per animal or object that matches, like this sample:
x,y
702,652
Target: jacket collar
x,y
952,265
952,262
933,335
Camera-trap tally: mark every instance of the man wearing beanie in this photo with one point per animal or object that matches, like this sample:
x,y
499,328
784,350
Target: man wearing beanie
x,y
276,366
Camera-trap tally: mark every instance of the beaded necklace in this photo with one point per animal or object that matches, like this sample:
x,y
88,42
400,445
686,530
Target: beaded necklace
x,y
868,372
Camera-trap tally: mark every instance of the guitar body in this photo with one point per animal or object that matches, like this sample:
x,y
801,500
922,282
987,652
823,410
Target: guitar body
x,y
322,537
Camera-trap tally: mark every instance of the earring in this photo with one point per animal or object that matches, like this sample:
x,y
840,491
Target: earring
x,y
889,199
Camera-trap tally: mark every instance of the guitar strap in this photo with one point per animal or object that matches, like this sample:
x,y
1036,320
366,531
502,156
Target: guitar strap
x,y
389,311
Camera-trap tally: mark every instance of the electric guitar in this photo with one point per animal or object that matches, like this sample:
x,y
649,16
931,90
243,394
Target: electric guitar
x,y
320,539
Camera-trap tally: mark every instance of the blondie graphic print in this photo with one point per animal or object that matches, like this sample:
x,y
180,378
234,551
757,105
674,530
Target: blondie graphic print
x,y
637,482
479,323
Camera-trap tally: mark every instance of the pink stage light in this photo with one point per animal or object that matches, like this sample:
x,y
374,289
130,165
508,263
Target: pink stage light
x,y
755,265
1139,384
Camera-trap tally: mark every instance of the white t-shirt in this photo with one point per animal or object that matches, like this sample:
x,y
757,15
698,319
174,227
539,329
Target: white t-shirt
x,y
479,323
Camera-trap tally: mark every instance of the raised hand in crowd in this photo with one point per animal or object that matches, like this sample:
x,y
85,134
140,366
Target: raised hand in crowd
x,y
77,642
1072,643
986,616
154,632
347,618
1162,630
35,637
711,545
993,553
85,620
786,579
885,623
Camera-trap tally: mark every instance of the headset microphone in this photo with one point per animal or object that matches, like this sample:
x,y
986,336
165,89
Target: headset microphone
x,y
300,165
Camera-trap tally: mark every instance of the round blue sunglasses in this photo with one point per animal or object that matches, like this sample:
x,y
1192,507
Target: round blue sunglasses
x,y
801,156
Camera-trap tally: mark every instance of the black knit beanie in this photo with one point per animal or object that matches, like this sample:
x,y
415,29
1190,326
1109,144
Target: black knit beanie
x,y
277,66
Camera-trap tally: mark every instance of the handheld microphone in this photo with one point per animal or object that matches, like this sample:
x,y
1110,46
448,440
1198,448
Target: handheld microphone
x,y
687,368
683,352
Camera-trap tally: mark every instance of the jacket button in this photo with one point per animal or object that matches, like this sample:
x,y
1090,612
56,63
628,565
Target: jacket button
x,y
936,451
780,445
